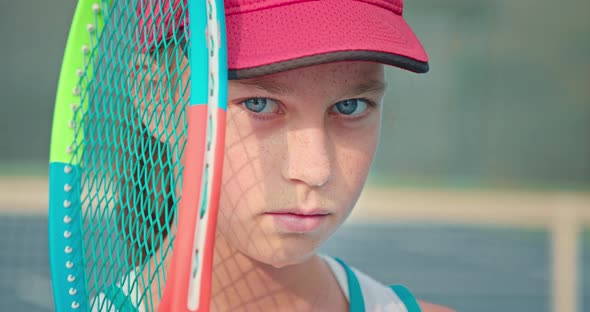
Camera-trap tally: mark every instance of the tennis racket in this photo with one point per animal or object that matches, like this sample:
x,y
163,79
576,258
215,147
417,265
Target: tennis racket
x,y
125,144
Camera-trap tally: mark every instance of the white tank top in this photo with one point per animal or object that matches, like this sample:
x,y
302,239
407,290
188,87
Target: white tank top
x,y
363,292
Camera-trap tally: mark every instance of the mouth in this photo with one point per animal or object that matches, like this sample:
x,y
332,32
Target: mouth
x,y
299,221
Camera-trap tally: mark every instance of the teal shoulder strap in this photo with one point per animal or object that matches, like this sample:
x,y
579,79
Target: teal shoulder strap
x,y
357,303
406,297
120,301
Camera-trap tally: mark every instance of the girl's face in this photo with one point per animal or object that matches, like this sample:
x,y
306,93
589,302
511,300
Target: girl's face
x,y
299,145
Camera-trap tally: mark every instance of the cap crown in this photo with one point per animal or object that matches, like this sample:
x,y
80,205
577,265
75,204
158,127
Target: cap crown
x,y
241,6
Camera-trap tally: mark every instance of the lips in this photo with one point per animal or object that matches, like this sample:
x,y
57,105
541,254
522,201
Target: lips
x,y
298,220
302,212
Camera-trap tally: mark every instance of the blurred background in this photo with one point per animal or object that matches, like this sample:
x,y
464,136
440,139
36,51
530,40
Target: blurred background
x,y
480,194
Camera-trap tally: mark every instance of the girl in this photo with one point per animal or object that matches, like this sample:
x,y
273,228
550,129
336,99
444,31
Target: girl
x,y
303,123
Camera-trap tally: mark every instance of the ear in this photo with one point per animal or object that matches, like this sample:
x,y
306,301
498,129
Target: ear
x,y
159,88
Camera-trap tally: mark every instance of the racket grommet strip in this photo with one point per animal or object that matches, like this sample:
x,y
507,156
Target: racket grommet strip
x,y
77,83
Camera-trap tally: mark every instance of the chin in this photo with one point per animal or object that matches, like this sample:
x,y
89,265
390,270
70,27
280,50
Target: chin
x,y
289,253
293,249
279,262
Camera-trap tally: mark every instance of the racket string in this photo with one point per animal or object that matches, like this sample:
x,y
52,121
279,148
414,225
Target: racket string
x,y
122,189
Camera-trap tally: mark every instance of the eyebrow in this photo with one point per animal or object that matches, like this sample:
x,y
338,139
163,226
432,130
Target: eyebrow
x,y
274,87
368,87
268,85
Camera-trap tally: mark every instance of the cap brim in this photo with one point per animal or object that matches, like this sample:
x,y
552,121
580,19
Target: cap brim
x,y
300,34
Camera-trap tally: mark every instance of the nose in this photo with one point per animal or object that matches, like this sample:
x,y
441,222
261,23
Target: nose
x,y
307,156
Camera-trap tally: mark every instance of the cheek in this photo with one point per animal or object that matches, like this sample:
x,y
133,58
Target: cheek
x,y
360,158
354,155
245,186
245,168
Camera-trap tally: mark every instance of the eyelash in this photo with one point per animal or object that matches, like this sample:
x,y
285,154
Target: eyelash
x,y
370,105
261,116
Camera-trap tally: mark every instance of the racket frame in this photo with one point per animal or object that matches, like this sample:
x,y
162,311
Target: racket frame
x,y
65,238
188,285
197,213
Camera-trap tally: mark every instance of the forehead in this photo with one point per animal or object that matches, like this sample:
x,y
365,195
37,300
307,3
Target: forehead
x,y
338,72
331,77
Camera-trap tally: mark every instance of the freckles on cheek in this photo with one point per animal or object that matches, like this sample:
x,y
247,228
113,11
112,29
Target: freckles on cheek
x,y
355,159
355,165
247,160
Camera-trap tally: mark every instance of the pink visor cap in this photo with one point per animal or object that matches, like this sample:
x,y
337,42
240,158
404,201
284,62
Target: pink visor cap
x,y
270,36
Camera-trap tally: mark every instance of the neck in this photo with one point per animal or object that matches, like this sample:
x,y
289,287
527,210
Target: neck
x,y
240,281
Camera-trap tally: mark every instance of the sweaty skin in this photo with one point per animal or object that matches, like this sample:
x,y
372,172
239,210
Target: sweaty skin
x,y
297,142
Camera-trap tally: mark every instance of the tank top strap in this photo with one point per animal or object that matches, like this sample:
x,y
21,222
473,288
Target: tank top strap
x,y
406,297
356,301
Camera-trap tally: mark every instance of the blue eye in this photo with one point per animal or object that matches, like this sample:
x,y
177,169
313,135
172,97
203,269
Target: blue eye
x,y
351,107
261,105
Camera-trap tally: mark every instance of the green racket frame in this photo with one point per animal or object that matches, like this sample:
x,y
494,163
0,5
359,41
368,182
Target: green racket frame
x,y
65,239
